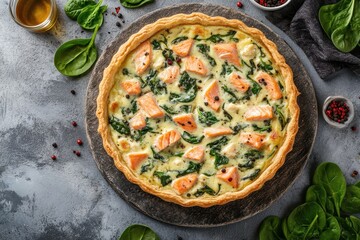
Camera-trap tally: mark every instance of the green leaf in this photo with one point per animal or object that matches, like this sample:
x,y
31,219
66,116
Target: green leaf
x,y
191,138
252,176
188,85
233,98
138,232
179,39
164,178
134,3
332,229
73,8
206,189
351,201
316,193
205,49
207,118
220,160
216,145
121,127
261,129
92,16
270,229
192,167
329,176
76,56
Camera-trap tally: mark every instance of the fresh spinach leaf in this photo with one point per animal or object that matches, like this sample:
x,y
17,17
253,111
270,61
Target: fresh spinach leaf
x,y
332,229
226,114
139,134
157,86
157,156
187,84
193,167
216,145
139,232
179,39
217,38
305,222
170,110
270,229
316,193
134,3
226,69
146,167
205,49
207,118
73,8
329,176
76,56
156,45
233,97
351,201
164,178
185,108
92,16
238,127
253,155
191,138
255,88
261,129
121,127
280,116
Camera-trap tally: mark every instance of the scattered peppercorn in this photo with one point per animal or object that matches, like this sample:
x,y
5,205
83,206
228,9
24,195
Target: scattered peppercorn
x,y
353,128
178,60
239,4
53,157
354,173
118,24
169,61
123,21
108,32
74,123
223,170
77,153
206,103
127,96
73,92
337,111
120,15
217,98
54,145
117,9
113,13
79,142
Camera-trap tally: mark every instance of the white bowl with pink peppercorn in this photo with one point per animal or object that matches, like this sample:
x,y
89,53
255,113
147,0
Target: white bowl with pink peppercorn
x,y
338,111
270,5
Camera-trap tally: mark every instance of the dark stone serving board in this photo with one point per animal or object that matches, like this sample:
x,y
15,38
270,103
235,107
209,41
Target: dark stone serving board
x,y
233,211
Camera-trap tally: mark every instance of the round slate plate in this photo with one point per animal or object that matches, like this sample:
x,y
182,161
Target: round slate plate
x,y
217,215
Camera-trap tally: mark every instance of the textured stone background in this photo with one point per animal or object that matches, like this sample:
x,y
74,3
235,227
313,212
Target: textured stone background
x,y
68,198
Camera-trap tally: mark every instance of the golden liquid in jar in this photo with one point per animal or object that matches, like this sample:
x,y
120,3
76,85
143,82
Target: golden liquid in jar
x,y
33,12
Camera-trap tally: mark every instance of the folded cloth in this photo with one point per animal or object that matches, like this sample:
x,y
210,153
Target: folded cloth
x,y
303,26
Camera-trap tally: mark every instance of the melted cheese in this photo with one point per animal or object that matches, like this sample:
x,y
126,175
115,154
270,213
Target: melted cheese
x,y
252,57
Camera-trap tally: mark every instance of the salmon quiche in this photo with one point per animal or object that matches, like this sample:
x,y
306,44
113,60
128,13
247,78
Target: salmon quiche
x,y
198,110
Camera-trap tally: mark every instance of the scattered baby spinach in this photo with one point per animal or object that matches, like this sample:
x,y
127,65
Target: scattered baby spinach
x,y
252,175
179,39
216,145
73,8
261,129
280,116
205,49
157,156
157,86
121,127
92,16
206,189
270,229
220,160
134,3
218,38
188,85
191,138
233,97
351,201
207,118
341,23
139,232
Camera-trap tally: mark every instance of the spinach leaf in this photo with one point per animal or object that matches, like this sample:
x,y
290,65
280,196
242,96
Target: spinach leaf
x,y
92,16
187,84
217,38
207,118
261,129
73,8
270,229
305,222
121,127
193,167
329,176
349,227
205,49
169,110
226,114
253,175
206,189
332,229
156,45
185,108
132,109
164,178
251,156
191,138
157,156
139,232
238,127
216,145
280,116
233,98
220,160
267,67
76,56
139,134
179,39
346,38
255,88
157,86
134,3
226,69
351,202
146,167
316,193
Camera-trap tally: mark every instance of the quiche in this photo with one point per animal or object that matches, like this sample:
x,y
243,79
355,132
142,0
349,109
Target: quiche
x,y
198,110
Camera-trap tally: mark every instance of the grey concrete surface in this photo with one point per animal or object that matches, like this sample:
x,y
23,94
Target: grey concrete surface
x,y
68,198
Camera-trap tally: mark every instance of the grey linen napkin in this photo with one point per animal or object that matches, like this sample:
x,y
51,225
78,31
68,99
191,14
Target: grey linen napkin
x,y
303,26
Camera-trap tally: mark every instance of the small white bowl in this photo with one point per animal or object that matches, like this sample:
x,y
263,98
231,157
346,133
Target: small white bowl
x,y
258,5
333,123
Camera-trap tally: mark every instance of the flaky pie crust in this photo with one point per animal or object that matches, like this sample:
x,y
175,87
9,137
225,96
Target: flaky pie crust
x,y
195,18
